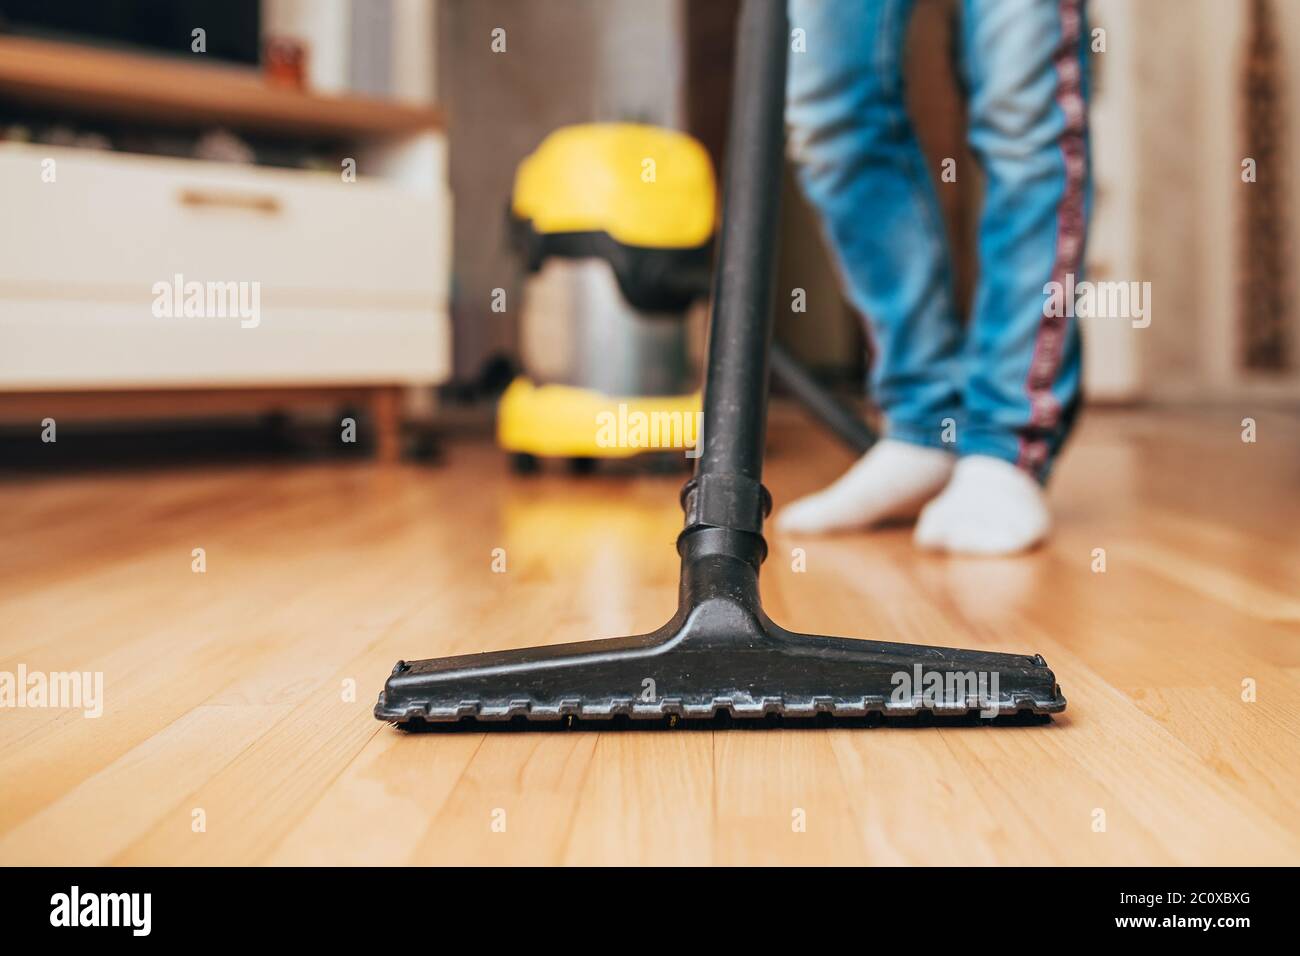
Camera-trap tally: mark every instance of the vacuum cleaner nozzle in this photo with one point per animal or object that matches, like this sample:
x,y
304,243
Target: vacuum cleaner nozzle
x,y
720,661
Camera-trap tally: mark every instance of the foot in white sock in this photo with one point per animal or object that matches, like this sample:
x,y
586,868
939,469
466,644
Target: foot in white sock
x,y
990,507
892,480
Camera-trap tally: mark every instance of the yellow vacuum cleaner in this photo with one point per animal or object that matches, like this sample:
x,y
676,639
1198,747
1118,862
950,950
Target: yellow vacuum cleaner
x,y
614,223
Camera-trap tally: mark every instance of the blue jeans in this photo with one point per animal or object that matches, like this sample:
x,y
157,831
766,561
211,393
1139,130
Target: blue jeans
x,y
1006,383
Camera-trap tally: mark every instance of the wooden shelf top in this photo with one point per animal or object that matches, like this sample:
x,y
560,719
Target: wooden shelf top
x,y
169,91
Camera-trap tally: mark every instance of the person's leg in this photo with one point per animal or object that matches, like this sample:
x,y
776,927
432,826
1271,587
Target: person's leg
x,y
1024,62
863,171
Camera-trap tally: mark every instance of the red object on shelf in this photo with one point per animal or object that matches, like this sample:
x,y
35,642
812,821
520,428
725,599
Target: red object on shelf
x,y
284,60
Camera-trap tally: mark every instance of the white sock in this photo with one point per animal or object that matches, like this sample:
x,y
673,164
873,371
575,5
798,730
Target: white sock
x,y
892,480
990,507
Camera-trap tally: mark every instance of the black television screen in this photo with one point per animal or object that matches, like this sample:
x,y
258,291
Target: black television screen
x,y
232,28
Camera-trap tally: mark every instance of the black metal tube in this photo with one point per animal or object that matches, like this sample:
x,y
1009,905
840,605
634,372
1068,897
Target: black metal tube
x,y
740,329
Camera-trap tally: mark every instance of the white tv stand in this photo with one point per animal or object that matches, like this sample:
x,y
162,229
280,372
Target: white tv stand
x,y
352,276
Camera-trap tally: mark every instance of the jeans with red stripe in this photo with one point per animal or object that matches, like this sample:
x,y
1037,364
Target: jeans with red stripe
x,y
1006,382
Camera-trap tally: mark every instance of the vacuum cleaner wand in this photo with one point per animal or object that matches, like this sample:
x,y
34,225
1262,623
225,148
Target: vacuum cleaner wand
x,y
720,659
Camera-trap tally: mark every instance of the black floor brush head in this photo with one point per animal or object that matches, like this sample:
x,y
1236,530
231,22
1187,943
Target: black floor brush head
x,y
722,721
720,662
604,691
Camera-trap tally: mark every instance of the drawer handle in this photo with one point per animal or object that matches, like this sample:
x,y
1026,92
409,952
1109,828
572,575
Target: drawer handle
x,y
230,199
